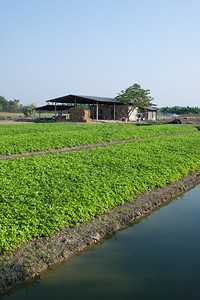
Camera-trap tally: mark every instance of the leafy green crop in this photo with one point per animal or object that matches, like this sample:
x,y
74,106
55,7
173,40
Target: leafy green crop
x,y
40,195
35,137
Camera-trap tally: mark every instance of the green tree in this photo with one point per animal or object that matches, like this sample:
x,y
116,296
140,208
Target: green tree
x,y
29,110
180,110
135,97
4,104
14,105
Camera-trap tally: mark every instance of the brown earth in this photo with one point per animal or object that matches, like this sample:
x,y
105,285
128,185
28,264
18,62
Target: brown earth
x,y
34,257
190,119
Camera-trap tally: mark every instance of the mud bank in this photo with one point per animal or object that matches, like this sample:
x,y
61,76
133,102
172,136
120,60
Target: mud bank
x,y
32,258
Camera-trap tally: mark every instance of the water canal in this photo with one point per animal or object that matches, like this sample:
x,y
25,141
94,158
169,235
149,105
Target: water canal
x,y
157,258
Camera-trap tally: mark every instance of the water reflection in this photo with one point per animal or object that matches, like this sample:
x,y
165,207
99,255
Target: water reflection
x,y
157,258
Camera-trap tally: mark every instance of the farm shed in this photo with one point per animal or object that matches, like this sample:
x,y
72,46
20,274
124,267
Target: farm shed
x,y
150,112
53,108
47,108
100,107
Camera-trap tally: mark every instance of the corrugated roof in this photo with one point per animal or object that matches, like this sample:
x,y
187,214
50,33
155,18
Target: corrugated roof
x,y
52,107
100,99
81,99
151,108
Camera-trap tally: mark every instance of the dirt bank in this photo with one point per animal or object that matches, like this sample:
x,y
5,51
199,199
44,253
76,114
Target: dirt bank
x,y
30,259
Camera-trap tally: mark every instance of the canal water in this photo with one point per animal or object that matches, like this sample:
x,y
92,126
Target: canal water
x,y
157,258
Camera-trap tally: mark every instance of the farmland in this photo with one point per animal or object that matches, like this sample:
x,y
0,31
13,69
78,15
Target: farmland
x,y
22,138
40,195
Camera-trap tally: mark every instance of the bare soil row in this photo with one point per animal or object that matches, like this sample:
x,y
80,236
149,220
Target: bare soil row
x,y
82,147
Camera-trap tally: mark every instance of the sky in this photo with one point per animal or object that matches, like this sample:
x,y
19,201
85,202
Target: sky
x,y
99,48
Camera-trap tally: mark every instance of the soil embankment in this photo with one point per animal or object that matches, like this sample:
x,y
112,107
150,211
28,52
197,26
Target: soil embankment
x,y
34,257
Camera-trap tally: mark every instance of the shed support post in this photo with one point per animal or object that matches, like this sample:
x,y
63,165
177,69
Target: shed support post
x,y
55,110
114,112
75,102
93,111
97,111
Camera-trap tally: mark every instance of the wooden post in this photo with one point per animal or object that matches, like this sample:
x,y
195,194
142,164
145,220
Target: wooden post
x,y
114,111
93,111
75,102
97,111
55,110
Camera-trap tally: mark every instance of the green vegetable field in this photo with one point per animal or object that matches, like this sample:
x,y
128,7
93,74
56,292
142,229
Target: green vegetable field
x,y
20,138
40,195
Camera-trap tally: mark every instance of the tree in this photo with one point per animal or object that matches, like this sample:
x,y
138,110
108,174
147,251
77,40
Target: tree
x,y
4,104
28,110
135,97
14,105
9,105
180,110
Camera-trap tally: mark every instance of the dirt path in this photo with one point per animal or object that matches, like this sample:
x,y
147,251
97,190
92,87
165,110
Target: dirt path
x,y
32,258
81,147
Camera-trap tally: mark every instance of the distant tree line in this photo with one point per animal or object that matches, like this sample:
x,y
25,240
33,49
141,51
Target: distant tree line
x,y
14,105
180,110
9,105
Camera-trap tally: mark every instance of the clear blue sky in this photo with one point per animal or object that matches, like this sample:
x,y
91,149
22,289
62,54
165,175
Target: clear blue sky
x,y
98,48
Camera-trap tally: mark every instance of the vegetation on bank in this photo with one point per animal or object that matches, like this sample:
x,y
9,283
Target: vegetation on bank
x,y
40,195
36,137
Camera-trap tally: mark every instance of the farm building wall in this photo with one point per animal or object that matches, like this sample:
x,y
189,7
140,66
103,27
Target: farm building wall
x,y
122,112
106,112
134,115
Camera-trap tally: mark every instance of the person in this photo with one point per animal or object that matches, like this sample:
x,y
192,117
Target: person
x,y
138,117
60,113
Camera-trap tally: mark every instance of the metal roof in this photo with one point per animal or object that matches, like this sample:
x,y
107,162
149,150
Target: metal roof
x,y
151,108
52,107
85,100
81,99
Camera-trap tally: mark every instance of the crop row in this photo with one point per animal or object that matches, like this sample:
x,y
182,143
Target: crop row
x,y
35,137
40,195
